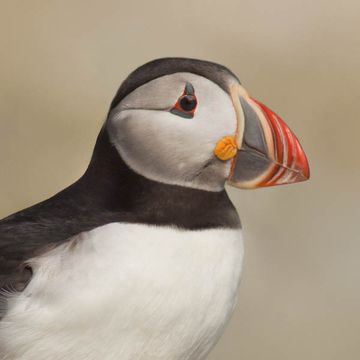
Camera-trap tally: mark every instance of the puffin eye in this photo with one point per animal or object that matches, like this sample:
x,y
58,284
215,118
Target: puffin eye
x,y
186,104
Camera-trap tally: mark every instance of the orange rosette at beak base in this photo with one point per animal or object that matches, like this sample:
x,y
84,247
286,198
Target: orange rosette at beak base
x,y
226,148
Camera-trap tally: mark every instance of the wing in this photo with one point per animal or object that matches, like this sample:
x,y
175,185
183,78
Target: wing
x,y
37,229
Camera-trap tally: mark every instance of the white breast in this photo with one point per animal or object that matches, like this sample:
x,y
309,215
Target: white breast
x,y
126,291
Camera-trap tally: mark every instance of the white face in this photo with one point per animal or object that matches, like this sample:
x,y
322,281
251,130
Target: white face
x,y
167,147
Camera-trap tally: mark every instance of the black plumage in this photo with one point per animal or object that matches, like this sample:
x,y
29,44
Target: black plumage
x,y
110,191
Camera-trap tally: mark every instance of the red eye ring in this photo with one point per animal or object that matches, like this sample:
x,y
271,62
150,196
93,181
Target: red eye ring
x,y
186,104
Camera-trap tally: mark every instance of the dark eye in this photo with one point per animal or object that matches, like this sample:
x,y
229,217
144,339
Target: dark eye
x,y
186,104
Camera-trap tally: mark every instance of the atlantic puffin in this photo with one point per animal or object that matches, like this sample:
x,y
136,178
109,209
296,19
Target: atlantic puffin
x,y
141,257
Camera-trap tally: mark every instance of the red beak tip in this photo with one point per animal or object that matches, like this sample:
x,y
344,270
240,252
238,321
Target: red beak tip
x,y
303,164
306,174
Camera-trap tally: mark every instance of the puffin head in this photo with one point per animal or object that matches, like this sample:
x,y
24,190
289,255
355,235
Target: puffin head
x,y
191,123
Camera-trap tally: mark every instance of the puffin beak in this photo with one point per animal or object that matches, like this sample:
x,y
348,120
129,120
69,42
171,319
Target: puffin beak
x,y
268,153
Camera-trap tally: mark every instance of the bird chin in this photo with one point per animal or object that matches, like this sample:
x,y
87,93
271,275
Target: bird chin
x,y
211,175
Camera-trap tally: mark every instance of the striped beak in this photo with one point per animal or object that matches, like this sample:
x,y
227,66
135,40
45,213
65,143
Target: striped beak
x,y
268,153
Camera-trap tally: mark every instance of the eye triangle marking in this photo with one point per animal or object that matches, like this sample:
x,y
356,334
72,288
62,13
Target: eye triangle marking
x,y
186,103
189,89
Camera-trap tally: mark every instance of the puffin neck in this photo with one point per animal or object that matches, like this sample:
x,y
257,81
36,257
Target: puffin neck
x,y
110,185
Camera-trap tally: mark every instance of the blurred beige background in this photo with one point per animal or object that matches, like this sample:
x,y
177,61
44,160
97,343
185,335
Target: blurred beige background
x,y
61,63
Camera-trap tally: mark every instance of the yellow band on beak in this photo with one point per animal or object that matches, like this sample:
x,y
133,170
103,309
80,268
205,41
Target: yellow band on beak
x,y
226,148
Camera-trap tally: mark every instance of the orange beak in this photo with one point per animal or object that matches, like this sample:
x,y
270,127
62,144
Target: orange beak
x,y
268,152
